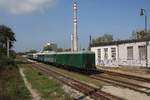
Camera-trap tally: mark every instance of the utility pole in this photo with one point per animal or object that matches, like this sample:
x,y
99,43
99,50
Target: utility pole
x,y
90,42
143,12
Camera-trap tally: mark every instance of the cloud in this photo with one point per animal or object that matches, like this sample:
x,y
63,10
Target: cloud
x,y
25,6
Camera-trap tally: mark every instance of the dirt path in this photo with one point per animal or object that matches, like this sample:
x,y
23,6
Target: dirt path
x,y
33,92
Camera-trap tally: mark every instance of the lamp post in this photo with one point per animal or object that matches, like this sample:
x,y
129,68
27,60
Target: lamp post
x,y
143,12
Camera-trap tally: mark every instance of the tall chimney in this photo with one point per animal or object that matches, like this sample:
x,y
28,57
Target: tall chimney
x,y
75,33
72,42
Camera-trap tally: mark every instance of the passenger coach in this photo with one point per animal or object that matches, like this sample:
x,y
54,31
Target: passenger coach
x,y
72,60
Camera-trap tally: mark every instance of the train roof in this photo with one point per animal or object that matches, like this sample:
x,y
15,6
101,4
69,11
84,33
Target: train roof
x,y
46,53
76,52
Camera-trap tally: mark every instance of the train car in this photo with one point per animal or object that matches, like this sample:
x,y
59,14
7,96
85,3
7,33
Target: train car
x,y
30,56
77,60
50,57
71,60
40,57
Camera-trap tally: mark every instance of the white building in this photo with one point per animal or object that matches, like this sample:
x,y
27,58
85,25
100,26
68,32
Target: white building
x,y
123,53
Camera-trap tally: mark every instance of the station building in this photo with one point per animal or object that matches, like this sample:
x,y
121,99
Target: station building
x,y
123,53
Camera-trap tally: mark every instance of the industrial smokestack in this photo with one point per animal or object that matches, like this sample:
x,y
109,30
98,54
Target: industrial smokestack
x,y
75,33
72,44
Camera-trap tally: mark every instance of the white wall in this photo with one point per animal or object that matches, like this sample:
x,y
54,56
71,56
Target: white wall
x,y
103,62
121,55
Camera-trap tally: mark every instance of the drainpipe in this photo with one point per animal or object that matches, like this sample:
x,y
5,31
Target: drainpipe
x,y
117,55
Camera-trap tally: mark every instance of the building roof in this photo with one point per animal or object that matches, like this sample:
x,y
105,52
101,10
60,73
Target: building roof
x,y
120,42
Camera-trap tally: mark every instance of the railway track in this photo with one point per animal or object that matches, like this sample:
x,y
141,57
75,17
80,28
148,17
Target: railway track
x,y
90,91
138,78
127,83
124,80
121,83
131,83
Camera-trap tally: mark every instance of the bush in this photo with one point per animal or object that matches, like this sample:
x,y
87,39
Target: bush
x,y
2,51
12,54
5,61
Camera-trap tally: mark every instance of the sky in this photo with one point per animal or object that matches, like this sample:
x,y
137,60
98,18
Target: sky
x,y
37,22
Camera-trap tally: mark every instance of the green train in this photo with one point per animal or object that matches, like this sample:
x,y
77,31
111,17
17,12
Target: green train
x,y
82,61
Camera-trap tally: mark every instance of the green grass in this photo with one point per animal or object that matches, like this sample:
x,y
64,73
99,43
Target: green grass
x,y
11,85
49,89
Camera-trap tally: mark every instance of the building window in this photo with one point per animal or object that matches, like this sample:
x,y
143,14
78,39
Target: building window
x,y
113,53
130,53
105,53
99,54
142,52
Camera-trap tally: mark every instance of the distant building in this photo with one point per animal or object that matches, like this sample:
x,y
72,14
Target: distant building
x,y
123,53
53,46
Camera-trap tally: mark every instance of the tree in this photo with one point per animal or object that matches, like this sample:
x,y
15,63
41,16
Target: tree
x,y
140,34
69,49
47,48
102,39
32,51
6,34
59,50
